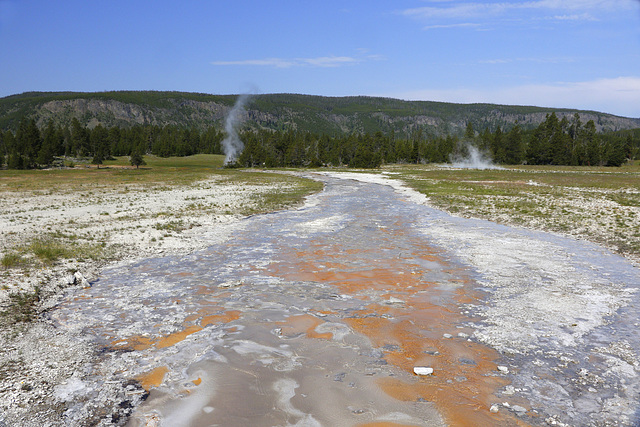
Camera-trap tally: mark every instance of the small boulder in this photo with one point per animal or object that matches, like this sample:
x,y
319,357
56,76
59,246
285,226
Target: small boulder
x,y
80,280
422,370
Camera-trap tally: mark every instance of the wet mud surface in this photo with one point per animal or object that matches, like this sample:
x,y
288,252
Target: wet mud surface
x,y
319,316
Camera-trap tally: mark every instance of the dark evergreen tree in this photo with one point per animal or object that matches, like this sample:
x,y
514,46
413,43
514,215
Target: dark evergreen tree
x,y
594,148
486,141
80,145
97,159
514,149
498,149
137,159
615,152
100,147
469,133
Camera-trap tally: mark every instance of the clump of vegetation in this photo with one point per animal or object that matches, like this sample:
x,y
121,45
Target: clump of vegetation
x,y
13,260
173,226
22,307
50,250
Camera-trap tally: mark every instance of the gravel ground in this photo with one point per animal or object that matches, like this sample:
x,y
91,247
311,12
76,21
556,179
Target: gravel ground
x,y
90,229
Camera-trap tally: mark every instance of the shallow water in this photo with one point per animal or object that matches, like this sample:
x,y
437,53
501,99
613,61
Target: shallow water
x,y
318,317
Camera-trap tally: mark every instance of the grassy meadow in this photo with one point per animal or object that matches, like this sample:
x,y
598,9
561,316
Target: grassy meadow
x,y
593,203
158,173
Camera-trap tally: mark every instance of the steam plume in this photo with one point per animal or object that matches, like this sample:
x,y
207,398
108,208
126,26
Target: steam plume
x,y
475,159
232,144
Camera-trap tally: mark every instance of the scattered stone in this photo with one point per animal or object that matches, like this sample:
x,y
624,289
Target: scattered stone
x,y
394,300
68,280
509,390
80,280
518,409
391,347
494,408
229,284
463,335
503,369
422,370
447,336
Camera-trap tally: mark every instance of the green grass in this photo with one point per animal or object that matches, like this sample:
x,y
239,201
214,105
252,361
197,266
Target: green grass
x,y
293,190
22,307
555,198
49,250
13,260
170,171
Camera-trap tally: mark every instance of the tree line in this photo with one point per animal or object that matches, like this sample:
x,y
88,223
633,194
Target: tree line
x,y
554,142
30,147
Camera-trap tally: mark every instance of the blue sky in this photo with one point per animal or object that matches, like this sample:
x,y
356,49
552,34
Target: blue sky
x,y
572,53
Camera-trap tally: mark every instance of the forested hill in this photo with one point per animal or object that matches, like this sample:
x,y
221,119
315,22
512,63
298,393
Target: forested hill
x,y
316,114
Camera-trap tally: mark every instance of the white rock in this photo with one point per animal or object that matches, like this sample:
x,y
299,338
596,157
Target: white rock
x,y
80,280
394,300
509,390
229,284
519,409
494,408
447,335
503,369
422,370
68,280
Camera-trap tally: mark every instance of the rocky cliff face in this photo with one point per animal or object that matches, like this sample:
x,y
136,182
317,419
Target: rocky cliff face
x,y
115,113
282,111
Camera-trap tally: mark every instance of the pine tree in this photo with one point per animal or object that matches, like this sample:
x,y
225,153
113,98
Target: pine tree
x,y
498,146
469,133
136,159
80,145
514,148
594,148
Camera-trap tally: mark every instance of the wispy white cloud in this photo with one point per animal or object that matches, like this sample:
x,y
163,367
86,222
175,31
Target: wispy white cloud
x,y
561,10
459,25
620,95
495,61
319,62
574,17
266,62
539,60
329,61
